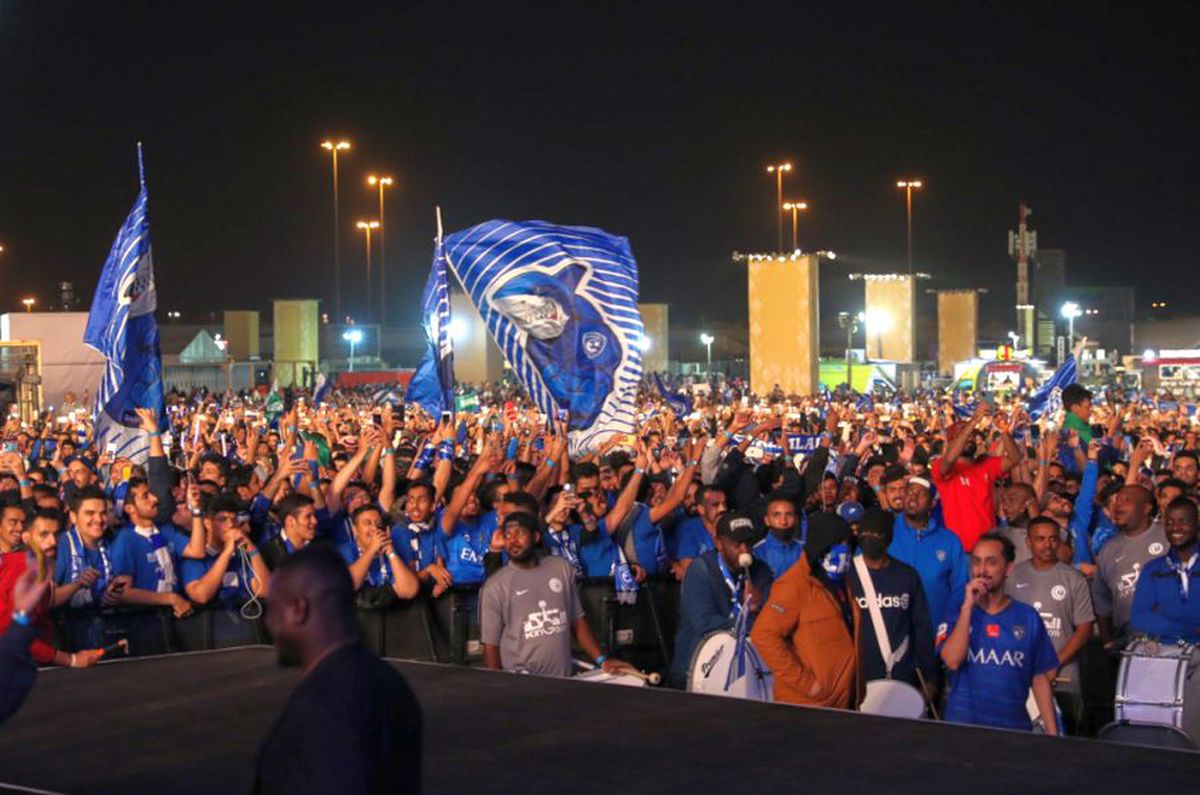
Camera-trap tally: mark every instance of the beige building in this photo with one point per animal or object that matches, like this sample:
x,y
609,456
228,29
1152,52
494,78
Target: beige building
x,y
784,323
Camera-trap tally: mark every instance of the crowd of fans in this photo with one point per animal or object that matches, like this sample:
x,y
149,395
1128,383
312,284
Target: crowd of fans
x,y
999,549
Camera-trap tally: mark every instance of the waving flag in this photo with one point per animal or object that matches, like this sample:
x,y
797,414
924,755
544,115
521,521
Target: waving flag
x,y
679,402
1049,398
561,302
321,389
121,328
433,384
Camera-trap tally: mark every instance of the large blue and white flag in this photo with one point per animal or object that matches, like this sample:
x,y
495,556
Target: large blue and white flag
x,y
561,302
1048,399
121,328
679,402
432,385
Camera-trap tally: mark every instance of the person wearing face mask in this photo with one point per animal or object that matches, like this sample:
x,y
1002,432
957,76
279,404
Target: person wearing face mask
x,y
808,632
902,603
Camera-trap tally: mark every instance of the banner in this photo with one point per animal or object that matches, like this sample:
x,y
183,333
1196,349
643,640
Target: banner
x,y
432,386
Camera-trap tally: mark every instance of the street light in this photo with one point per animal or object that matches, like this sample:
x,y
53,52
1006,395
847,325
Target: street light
x,y
29,302
850,323
778,169
333,147
707,340
1070,310
367,227
909,185
352,336
1016,338
795,207
381,183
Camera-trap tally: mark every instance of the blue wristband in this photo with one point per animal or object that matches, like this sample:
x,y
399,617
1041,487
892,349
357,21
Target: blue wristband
x,y
550,463
603,658
21,617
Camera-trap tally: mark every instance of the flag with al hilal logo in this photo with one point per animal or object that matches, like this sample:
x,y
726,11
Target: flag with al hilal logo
x,y
1048,399
121,327
561,303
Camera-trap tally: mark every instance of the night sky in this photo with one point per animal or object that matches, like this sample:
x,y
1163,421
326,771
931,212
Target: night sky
x,y
656,125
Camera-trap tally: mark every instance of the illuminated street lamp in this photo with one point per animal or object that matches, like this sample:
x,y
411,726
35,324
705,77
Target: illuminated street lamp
x,y
795,207
333,147
1070,310
778,169
909,185
367,227
381,183
29,302
352,336
707,340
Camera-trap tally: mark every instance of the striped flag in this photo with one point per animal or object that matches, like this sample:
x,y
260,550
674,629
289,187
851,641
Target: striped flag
x,y
561,302
432,385
121,327
1048,399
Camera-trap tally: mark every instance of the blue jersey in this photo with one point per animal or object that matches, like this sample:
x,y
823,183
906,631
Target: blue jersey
x,y
74,558
937,555
1162,607
419,547
778,555
380,573
235,584
465,550
1005,652
136,555
597,552
689,540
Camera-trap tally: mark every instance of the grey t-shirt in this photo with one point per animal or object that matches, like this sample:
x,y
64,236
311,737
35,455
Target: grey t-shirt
x,y
1062,598
1020,541
1117,568
528,613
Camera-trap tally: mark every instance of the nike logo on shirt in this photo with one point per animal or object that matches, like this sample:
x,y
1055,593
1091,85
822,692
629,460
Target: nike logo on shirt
x,y
522,593
1022,585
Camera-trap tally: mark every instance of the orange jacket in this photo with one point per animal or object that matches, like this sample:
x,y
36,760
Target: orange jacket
x,y
803,639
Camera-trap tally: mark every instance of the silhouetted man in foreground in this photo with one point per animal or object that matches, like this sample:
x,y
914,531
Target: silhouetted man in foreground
x,y
352,725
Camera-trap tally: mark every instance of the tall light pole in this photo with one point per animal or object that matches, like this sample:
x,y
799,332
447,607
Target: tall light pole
x,y
1071,310
367,227
707,340
909,185
777,169
795,207
333,147
381,183
352,336
29,302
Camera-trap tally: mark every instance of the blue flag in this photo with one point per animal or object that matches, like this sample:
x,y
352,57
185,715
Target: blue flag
x,y
680,403
1049,397
561,302
321,389
122,329
432,385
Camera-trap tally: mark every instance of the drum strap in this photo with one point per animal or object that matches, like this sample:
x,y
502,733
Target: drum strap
x,y
881,636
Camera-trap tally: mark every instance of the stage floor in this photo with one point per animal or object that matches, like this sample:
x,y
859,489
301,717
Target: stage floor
x,y
192,723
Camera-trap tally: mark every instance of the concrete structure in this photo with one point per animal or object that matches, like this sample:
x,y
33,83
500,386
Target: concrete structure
x,y
477,359
297,346
958,327
241,330
656,326
784,323
67,365
891,316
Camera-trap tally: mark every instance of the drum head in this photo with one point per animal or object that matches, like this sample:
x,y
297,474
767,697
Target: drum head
x,y
893,699
710,666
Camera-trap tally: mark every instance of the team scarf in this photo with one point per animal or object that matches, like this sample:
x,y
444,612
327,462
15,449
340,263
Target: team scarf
x,y
563,546
1184,570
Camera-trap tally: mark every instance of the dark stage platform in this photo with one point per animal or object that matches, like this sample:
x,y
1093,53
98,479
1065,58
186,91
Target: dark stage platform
x,y
192,723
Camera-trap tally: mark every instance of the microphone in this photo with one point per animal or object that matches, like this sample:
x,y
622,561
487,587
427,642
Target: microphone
x,y
745,560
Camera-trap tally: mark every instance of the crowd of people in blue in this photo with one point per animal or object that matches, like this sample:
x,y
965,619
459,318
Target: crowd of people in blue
x,y
973,553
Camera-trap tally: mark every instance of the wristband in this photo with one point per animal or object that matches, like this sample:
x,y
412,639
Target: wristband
x,y
251,554
603,658
639,471
694,462
727,435
386,452
197,513
21,617
550,463
155,434
392,555
25,483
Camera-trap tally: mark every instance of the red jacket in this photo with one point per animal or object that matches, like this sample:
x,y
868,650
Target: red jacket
x,y
12,566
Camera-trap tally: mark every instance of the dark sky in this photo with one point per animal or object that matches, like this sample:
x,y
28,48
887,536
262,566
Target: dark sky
x,y
654,124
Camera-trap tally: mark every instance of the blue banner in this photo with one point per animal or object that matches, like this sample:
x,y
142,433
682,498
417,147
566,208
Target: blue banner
x,y
432,385
561,302
805,443
122,329
680,403
1049,397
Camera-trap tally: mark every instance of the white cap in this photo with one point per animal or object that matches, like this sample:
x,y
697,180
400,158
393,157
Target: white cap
x,y
920,482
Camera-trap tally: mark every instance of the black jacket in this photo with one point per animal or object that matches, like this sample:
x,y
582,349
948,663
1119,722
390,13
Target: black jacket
x,y
352,726
18,671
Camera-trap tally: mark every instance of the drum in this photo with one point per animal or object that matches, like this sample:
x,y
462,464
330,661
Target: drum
x,y
892,699
712,660
597,675
1158,685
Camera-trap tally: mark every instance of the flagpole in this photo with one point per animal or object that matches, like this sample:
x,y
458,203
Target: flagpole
x,y
141,166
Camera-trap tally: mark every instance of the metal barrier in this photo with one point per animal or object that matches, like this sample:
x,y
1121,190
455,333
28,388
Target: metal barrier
x,y
445,629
